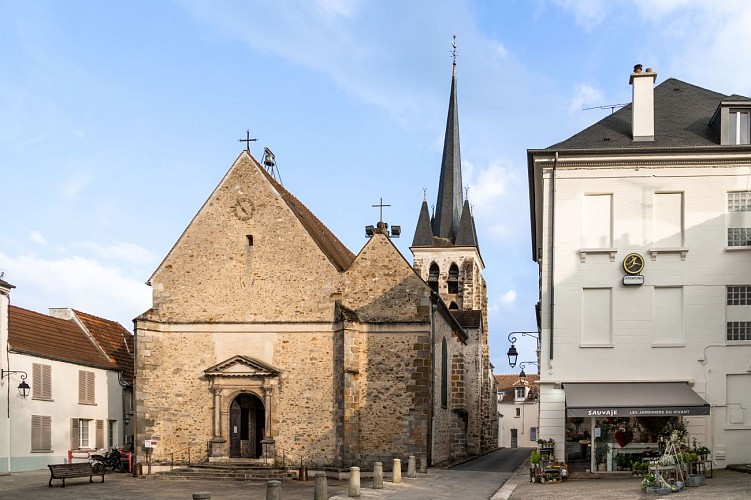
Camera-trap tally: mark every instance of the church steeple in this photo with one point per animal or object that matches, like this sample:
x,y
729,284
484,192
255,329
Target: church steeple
x,y
448,207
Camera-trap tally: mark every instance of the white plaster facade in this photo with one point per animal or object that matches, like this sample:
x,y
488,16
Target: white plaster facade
x,y
590,209
517,416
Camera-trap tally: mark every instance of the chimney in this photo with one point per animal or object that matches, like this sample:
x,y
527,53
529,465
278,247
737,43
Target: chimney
x,y
642,104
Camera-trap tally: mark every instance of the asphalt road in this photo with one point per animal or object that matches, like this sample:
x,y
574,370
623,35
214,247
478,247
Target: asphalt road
x,y
503,460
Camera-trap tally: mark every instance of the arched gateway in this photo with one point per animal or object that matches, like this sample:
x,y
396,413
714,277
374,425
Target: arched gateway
x,y
243,390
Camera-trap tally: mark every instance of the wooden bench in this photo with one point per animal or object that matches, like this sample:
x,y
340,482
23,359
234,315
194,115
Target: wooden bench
x,y
66,471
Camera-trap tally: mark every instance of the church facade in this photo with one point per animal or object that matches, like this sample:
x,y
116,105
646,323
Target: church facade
x,y
268,337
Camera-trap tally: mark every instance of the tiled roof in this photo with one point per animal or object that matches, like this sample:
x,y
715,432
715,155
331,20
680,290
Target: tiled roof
x,y
41,335
114,339
337,253
469,318
681,119
506,381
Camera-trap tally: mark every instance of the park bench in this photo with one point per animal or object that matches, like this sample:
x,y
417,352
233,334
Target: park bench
x,y
66,471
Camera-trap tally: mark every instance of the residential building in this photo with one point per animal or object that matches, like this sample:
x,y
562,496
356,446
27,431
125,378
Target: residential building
x,y
640,226
518,410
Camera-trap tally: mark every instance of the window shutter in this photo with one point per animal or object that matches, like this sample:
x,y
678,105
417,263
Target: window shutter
x,y
75,437
100,434
36,431
81,387
36,385
90,394
47,381
46,433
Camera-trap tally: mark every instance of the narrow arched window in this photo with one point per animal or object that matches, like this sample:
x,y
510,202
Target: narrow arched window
x,y
433,276
453,281
444,375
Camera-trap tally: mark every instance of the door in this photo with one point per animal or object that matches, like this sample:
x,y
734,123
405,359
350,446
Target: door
x,y
246,419
514,440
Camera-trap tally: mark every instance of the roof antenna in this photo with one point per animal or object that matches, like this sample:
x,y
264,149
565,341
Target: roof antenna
x,y
606,106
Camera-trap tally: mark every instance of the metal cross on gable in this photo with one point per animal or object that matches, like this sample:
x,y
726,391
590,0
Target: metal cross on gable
x,y
380,206
247,140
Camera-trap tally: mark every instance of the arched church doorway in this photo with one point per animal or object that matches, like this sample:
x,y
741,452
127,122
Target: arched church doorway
x,y
246,420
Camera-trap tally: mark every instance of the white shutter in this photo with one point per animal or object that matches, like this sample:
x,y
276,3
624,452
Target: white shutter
x,y
75,433
100,434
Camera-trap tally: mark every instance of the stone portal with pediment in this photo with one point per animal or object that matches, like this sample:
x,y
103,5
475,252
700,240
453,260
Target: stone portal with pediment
x,y
244,401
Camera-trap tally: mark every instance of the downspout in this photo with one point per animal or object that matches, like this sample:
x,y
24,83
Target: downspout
x,y
433,308
134,399
552,256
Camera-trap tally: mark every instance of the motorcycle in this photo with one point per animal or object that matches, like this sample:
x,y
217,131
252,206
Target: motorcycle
x,y
110,460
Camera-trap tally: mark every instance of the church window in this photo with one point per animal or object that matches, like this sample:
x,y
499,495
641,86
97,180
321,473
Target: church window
x,y
453,281
250,240
433,276
444,375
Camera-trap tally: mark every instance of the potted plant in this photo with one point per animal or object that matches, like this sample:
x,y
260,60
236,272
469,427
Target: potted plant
x,y
703,452
534,459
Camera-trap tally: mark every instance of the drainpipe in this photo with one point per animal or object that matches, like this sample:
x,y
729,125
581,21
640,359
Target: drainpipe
x,y
552,255
134,399
433,308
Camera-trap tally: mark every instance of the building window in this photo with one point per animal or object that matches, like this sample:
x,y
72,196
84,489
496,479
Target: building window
x,y
597,230
41,433
668,220
41,387
433,276
739,219
518,412
738,312
111,433
444,375
453,281
80,433
86,386
533,433
520,392
739,127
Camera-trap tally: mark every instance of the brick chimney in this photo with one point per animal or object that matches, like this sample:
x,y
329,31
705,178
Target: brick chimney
x,y
642,104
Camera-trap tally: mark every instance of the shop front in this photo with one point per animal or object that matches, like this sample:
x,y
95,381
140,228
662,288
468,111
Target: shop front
x,y
609,425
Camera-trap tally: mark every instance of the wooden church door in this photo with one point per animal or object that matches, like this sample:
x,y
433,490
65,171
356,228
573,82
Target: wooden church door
x,y
246,419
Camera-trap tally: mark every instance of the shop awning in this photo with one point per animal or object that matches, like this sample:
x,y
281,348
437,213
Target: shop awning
x,y
637,399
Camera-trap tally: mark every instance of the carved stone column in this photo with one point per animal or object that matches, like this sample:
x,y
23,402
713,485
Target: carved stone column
x,y
268,443
218,443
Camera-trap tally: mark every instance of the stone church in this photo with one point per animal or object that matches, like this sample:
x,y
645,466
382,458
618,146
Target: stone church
x,y
268,337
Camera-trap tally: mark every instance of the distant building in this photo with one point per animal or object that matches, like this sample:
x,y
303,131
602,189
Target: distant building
x,y
78,390
641,226
518,410
268,337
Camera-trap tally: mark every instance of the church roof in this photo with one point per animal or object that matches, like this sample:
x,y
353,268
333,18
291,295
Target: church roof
x,y
114,339
44,336
423,232
466,236
330,245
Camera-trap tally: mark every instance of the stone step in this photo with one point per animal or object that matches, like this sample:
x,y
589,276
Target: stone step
x,y
224,473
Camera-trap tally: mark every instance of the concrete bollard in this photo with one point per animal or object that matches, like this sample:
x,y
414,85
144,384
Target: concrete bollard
x,y
201,495
411,468
274,490
354,482
396,475
321,488
423,463
378,476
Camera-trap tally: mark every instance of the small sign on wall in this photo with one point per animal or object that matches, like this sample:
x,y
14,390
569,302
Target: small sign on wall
x,y
633,280
150,443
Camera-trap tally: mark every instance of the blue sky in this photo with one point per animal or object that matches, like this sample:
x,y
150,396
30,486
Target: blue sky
x,y
118,119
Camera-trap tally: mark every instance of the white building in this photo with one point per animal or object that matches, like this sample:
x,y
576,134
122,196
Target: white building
x,y
76,393
518,411
641,225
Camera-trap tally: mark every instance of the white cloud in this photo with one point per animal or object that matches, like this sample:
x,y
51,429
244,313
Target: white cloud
x,y
75,282
588,13
486,186
498,49
586,96
509,297
75,184
344,8
37,237
129,252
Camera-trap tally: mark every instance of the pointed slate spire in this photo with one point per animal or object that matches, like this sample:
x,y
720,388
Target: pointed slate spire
x,y
466,235
423,232
449,203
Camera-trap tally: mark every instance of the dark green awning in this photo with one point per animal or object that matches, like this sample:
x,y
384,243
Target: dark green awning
x,y
633,399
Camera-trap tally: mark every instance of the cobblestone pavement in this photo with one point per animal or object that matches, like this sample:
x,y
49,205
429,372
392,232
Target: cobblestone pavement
x,y
438,484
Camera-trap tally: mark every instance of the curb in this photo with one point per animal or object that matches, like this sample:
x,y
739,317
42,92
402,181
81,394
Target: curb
x,y
505,491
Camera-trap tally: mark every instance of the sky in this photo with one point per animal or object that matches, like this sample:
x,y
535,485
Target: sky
x,y
118,119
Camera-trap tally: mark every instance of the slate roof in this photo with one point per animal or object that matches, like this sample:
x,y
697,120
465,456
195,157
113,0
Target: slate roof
x,y
466,235
330,245
423,231
114,339
41,335
5,284
682,115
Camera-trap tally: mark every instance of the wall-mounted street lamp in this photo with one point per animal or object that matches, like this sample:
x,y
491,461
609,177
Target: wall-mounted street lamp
x,y
23,388
512,353
522,375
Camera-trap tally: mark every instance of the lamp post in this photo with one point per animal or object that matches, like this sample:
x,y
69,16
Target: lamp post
x,y
512,353
23,387
522,375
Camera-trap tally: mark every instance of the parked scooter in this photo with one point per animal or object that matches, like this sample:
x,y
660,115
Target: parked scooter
x,y
110,460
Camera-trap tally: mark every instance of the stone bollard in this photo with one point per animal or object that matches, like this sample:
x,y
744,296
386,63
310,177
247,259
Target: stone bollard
x,y
201,495
378,476
321,488
274,490
423,463
396,475
354,482
411,468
